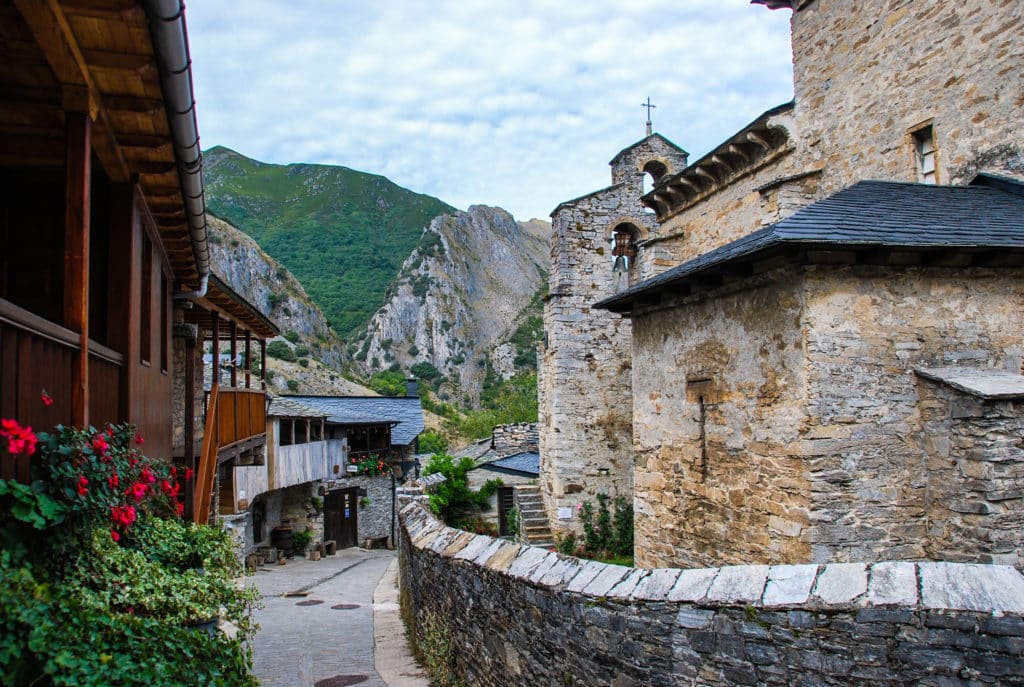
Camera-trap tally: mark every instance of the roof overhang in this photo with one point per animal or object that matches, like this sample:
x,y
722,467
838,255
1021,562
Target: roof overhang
x,y
126,66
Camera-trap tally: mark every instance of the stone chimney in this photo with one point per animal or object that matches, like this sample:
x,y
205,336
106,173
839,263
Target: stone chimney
x,y
412,388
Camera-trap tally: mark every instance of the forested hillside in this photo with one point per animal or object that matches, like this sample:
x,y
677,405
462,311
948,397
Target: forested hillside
x,y
343,234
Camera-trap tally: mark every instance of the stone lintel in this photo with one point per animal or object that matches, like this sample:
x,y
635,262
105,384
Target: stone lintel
x,y
789,585
893,583
990,384
841,583
972,587
738,583
692,584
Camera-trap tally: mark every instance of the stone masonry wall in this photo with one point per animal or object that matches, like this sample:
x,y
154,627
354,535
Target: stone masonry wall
x,y
975,464
866,73
374,518
584,378
867,452
518,615
728,488
586,411
779,420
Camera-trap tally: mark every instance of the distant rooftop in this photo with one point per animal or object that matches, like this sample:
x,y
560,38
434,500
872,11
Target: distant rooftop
x,y
526,463
281,406
407,411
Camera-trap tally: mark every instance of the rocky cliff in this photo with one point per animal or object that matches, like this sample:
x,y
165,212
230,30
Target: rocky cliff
x,y
261,280
465,303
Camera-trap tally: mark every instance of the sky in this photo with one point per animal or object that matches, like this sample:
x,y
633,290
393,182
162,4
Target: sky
x,y
518,105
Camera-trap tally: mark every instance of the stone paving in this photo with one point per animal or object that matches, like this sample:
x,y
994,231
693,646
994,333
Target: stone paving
x,y
326,637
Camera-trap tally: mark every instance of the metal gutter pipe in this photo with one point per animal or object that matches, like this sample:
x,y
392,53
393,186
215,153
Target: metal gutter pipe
x,y
170,45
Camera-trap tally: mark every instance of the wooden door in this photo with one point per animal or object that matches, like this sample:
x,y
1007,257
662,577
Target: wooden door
x,y
341,517
506,501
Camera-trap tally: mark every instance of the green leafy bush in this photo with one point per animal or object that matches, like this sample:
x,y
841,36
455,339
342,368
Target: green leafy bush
x,y
301,351
281,351
605,534
292,336
388,383
101,581
292,385
425,371
432,441
452,499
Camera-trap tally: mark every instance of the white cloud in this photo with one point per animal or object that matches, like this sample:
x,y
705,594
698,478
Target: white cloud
x,y
480,101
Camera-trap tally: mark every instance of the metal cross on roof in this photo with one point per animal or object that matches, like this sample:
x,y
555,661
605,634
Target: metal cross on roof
x,y
649,108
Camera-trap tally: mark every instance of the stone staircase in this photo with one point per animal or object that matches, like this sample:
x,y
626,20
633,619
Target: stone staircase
x,y
535,531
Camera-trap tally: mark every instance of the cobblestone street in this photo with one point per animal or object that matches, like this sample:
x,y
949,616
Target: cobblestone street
x,y
317,623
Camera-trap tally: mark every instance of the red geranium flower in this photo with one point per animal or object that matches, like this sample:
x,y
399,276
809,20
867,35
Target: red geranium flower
x,y
147,476
100,445
83,485
47,399
113,481
19,439
114,535
138,439
137,491
122,516
188,473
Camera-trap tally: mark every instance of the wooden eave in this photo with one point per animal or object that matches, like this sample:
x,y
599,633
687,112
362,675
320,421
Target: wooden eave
x,y
231,308
93,56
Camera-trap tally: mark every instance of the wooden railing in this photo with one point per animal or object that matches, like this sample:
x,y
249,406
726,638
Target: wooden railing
x,y
234,418
241,415
37,355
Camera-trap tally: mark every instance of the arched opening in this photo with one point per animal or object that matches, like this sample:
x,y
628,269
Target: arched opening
x,y
624,238
653,171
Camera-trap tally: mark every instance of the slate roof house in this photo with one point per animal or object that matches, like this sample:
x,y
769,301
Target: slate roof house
x,y
105,283
825,317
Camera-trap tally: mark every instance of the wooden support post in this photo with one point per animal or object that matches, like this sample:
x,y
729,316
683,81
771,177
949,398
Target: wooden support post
x,y
263,364
215,325
234,355
76,254
248,359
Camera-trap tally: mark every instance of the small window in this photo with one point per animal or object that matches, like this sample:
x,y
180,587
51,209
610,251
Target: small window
x,y
285,429
924,152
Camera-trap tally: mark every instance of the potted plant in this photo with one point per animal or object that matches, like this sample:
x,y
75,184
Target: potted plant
x,y
301,539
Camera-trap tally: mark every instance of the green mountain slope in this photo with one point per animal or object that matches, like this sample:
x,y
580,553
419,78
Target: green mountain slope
x,y
342,233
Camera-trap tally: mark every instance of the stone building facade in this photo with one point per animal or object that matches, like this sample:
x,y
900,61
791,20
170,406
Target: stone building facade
x,y
584,376
778,394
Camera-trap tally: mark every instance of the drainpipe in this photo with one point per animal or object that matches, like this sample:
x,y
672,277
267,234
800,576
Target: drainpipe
x,y
170,45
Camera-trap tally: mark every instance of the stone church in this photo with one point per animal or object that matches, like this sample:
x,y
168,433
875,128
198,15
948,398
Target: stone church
x,y
807,345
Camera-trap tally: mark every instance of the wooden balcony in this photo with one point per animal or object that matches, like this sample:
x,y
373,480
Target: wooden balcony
x,y
240,421
36,354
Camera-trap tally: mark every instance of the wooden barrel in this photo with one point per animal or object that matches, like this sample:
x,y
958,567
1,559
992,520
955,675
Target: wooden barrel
x,y
281,539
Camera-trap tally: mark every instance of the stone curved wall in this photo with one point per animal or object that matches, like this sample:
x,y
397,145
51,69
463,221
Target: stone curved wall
x,y
519,615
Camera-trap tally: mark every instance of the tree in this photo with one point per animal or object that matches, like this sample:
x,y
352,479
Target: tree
x,y
280,350
432,441
388,383
453,500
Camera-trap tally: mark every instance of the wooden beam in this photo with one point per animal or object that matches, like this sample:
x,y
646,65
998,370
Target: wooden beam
x,y
263,364
117,61
76,255
215,328
53,33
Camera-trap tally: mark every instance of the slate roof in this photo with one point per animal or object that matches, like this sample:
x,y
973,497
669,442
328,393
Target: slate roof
x,y
527,463
286,407
407,411
987,214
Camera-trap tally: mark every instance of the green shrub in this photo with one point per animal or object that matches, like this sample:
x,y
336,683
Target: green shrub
x,y
301,351
452,499
292,385
281,351
413,351
425,371
292,336
101,582
606,534
432,441
388,383
303,362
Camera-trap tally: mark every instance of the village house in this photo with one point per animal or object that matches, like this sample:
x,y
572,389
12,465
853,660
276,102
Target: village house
x,y
825,310
105,281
